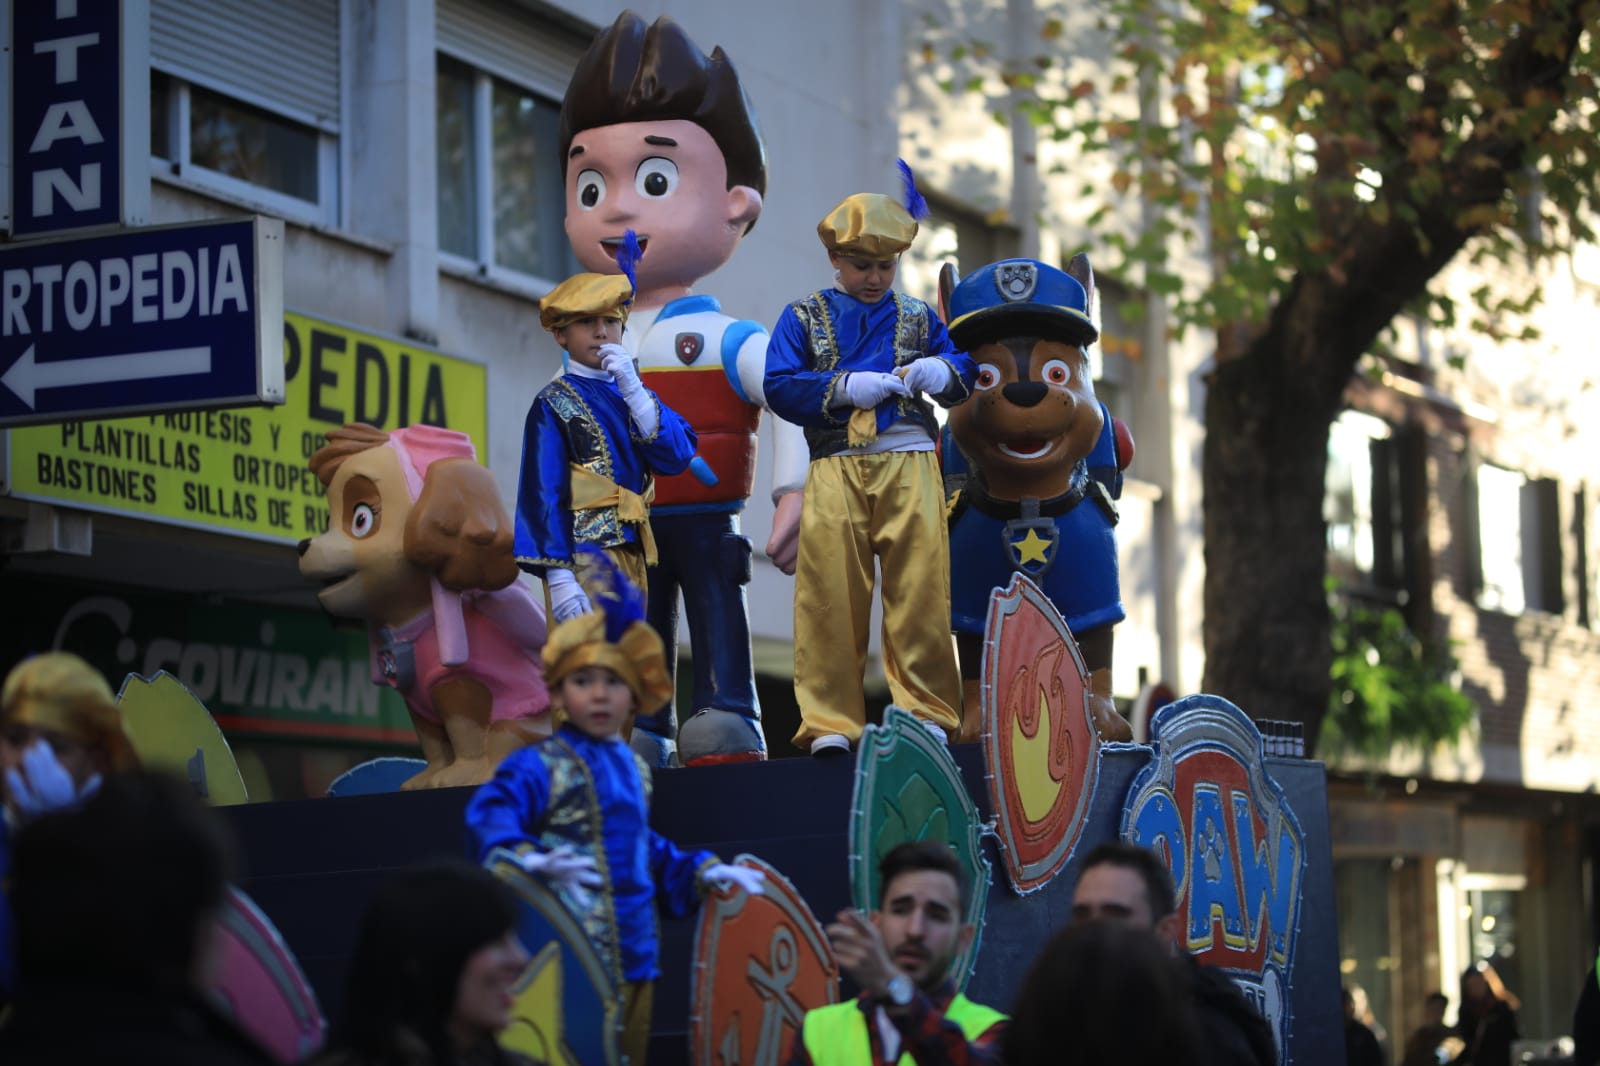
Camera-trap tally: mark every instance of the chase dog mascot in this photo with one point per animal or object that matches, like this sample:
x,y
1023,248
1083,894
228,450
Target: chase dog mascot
x,y
1039,446
420,546
658,138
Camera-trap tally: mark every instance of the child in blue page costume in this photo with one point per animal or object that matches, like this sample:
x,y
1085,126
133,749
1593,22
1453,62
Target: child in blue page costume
x,y
593,441
851,365
576,807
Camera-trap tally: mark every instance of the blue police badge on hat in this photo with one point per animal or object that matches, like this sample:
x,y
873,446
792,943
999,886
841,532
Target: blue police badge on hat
x,y
1016,280
1020,297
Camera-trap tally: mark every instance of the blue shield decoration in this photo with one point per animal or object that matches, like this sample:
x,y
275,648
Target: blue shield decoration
x,y
1235,848
567,1013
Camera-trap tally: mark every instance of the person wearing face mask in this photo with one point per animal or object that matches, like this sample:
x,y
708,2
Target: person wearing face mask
x,y
431,981
60,735
900,956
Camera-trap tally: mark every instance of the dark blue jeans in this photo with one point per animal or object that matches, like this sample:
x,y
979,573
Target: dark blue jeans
x,y
704,556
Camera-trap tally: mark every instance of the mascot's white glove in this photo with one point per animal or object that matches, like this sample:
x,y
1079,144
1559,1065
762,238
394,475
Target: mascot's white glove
x,y
929,375
43,785
564,868
615,360
567,598
868,388
751,880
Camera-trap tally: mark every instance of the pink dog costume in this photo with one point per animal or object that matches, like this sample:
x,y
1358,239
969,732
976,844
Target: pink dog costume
x,y
503,630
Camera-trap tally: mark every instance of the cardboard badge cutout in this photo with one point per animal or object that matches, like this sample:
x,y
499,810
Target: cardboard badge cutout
x,y
1235,848
1039,741
566,1011
172,730
760,962
908,788
260,986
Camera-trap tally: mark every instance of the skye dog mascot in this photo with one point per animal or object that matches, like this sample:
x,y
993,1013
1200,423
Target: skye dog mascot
x,y
420,545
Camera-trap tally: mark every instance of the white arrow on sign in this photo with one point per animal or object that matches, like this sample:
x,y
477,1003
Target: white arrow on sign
x,y
27,377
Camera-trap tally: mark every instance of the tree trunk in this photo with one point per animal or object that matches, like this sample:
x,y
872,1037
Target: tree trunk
x,y
1266,613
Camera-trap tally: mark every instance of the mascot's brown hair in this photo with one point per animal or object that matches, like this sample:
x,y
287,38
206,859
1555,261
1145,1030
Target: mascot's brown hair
x,y
420,545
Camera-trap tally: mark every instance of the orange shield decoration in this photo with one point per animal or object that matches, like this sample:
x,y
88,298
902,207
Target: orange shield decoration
x,y
1039,742
760,962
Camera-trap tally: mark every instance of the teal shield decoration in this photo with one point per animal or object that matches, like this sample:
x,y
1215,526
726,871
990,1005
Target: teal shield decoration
x,y
908,788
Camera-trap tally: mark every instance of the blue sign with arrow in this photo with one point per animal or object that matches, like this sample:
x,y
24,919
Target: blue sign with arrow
x,y
160,319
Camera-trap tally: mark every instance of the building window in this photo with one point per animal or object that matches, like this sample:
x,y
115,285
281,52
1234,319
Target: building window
x,y
501,202
1588,579
1519,542
1364,507
243,151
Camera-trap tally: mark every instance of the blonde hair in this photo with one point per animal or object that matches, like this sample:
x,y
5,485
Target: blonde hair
x,y
60,691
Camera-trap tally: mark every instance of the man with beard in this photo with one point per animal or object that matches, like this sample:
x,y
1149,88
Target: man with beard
x,y
900,957
1126,883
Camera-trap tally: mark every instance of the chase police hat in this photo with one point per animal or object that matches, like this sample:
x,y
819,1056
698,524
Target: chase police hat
x,y
1020,297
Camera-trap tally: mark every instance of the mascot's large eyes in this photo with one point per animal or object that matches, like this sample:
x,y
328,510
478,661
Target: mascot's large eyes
x,y
1056,372
591,190
656,177
363,520
988,377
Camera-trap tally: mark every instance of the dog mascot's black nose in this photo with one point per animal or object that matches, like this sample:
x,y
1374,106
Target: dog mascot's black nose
x,y
304,544
1025,393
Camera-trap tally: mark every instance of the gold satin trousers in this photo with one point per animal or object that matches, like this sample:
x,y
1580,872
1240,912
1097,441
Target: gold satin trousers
x,y
886,508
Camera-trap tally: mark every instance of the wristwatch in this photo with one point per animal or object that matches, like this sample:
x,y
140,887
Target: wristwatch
x,y
900,990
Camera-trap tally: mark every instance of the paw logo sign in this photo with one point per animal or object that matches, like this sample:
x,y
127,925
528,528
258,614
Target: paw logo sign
x,y
760,962
1234,846
1039,741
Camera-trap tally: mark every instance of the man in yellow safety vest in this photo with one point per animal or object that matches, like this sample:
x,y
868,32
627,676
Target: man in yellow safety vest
x,y
909,1009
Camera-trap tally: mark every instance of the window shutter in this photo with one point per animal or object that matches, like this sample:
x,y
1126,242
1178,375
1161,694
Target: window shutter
x,y
511,43
282,55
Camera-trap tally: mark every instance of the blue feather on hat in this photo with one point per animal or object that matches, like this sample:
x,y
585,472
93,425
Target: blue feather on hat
x,y
610,591
916,206
628,257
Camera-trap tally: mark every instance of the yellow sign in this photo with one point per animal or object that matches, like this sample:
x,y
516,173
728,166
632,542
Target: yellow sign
x,y
243,470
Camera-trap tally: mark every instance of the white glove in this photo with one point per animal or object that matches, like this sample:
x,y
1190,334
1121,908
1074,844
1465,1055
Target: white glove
x,y
748,878
567,598
615,360
565,869
44,785
868,388
929,375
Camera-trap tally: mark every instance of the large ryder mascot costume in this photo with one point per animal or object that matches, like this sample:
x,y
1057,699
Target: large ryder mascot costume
x,y
659,138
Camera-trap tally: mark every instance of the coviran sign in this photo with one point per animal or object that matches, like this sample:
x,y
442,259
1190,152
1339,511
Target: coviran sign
x,y
244,470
